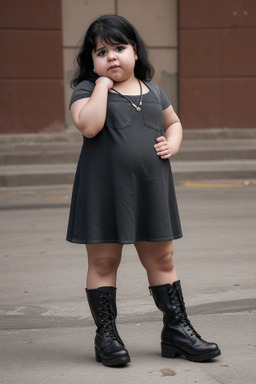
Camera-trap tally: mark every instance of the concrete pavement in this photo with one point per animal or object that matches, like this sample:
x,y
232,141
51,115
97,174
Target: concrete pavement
x,y
46,331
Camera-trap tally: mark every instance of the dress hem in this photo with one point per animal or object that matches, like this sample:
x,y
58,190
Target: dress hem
x,y
78,241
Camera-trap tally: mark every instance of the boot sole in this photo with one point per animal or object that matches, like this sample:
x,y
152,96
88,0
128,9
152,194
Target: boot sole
x,y
112,362
171,352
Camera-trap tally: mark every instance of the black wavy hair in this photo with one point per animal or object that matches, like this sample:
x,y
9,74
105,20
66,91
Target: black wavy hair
x,y
112,29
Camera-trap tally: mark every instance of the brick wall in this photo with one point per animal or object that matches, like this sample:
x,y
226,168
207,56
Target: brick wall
x,y
217,63
31,73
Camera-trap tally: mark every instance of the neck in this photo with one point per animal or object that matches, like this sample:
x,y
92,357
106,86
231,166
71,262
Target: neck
x,y
128,87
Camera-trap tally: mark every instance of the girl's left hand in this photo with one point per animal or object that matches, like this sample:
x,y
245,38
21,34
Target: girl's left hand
x,y
164,148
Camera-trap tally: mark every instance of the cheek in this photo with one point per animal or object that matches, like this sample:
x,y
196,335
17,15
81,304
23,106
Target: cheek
x,y
132,60
96,62
99,67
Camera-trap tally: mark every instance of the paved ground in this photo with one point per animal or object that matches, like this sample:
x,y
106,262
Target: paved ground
x,y
46,331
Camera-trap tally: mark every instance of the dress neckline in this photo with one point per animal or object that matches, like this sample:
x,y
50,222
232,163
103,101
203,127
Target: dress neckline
x,y
139,95
143,94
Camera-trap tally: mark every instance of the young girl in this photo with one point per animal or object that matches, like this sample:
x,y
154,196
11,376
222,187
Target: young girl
x,y
123,190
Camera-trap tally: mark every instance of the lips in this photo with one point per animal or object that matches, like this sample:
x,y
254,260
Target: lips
x,y
113,67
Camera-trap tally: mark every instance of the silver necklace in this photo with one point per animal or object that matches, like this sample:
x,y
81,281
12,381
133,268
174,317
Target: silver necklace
x,y
125,97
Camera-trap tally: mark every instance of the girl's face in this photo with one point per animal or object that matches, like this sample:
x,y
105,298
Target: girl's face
x,y
114,61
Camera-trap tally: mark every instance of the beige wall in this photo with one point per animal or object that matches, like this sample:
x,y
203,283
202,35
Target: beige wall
x,y
155,20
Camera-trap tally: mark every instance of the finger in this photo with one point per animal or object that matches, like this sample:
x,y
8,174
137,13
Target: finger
x,y
163,147
161,153
160,145
166,156
160,138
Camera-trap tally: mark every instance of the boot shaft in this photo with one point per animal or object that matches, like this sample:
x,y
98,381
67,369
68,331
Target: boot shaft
x,y
169,299
178,335
109,347
102,303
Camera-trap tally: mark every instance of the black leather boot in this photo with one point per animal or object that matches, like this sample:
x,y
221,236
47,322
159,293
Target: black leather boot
x,y
109,348
178,335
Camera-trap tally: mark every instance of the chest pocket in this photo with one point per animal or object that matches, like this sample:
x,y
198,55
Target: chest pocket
x,y
153,116
119,115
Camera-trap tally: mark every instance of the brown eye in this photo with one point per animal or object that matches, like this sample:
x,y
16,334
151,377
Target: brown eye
x,y
120,49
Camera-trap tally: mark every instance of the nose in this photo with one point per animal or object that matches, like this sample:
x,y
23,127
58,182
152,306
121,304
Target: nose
x,y
111,56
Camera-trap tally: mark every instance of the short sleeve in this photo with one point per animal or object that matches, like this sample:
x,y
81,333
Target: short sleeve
x,y
81,91
159,94
165,102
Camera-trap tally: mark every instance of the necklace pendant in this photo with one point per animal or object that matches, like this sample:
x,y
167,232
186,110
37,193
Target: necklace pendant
x,y
137,108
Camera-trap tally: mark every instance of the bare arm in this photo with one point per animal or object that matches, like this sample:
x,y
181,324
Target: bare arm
x,y
89,114
169,144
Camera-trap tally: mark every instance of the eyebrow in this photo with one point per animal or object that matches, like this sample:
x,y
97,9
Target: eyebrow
x,y
99,49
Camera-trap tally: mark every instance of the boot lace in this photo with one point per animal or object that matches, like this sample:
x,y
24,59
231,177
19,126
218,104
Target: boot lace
x,y
178,302
108,318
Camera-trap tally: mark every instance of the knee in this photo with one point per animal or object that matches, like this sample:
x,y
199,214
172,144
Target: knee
x,y
105,266
162,263
165,261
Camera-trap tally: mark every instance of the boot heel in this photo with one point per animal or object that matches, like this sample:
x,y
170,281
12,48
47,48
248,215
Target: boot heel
x,y
168,351
97,356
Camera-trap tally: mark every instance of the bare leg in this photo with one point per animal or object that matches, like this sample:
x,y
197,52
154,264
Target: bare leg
x,y
157,259
103,262
178,335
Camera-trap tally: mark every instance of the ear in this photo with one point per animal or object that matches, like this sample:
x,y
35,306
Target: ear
x,y
135,51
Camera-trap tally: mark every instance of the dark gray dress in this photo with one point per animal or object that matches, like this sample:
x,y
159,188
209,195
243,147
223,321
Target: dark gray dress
x,y
123,192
